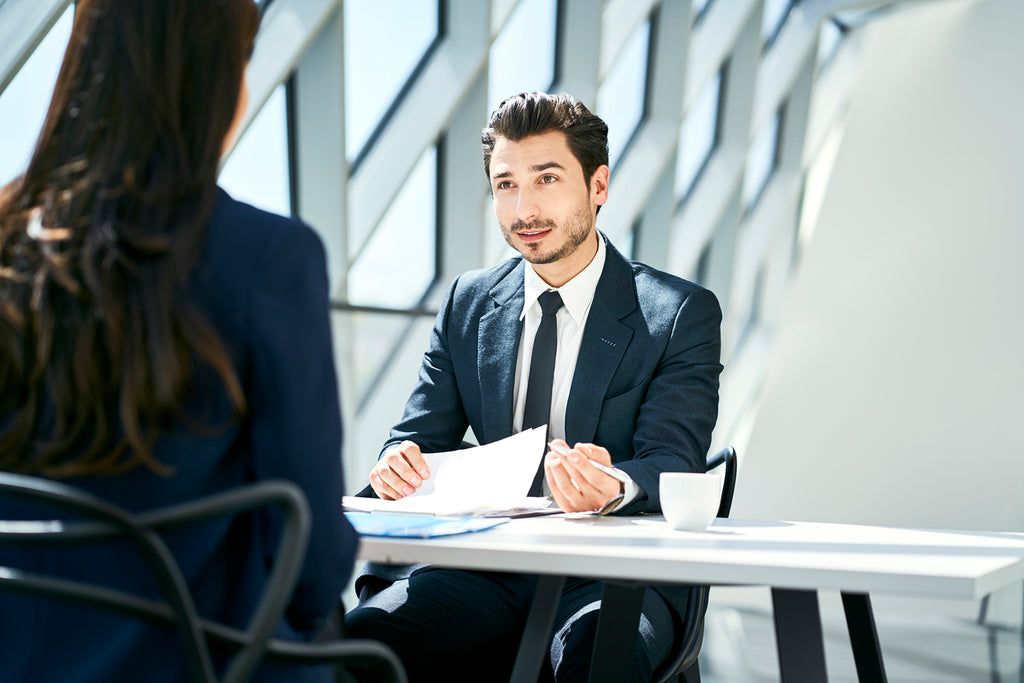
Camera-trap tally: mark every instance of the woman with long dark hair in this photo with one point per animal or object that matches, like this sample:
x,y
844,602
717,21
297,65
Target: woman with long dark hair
x,y
160,341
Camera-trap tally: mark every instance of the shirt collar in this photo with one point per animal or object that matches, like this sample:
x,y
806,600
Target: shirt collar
x,y
577,294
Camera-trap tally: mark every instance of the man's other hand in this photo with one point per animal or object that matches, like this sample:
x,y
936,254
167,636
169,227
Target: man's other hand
x,y
575,483
399,472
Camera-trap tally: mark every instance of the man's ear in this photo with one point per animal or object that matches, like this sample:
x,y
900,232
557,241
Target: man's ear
x,y
599,185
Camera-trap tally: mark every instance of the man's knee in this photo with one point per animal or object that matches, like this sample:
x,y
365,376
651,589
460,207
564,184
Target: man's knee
x,y
376,617
572,645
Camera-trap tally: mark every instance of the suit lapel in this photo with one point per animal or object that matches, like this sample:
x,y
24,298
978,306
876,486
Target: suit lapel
x,y
605,340
497,349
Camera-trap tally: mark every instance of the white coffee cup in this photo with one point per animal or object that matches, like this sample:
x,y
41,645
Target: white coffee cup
x,y
689,500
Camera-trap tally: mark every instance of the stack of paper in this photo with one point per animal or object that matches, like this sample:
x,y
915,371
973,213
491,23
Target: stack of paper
x,y
485,481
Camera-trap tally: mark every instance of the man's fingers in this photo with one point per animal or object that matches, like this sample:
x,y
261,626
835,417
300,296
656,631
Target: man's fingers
x,y
399,472
582,471
405,484
570,490
595,452
402,468
558,482
415,458
381,487
581,486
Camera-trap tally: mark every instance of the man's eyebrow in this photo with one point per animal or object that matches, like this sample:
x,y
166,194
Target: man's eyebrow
x,y
546,165
537,168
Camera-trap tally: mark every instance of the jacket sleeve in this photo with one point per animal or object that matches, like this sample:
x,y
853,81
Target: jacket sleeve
x,y
294,407
680,406
434,417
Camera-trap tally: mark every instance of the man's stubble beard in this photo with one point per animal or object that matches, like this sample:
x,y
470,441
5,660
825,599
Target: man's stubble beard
x,y
576,229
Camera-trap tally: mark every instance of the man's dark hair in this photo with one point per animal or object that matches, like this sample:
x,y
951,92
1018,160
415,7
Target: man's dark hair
x,y
536,113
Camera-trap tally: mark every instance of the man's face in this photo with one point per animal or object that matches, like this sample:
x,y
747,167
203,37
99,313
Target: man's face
x,y
544,206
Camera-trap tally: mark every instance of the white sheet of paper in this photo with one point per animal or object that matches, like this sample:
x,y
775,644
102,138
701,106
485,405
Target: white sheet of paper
x,y
493,477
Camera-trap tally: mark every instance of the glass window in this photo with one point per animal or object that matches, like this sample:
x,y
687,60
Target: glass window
x,y
828,42
816,182
257,171
754,316
371,339
398,263
24,102
620,100
514,70
699,8
703,270
762,158
775,12
698,136
500,9
385,40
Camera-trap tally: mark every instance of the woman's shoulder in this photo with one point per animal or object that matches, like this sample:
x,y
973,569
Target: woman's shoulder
x,y
249,237
249,252
242,223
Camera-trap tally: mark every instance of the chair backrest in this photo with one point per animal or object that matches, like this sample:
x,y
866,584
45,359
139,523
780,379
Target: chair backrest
x,y
725,458
96,521
689,647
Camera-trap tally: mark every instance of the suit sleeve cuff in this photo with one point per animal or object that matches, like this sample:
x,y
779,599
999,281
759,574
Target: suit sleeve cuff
x,y
630,492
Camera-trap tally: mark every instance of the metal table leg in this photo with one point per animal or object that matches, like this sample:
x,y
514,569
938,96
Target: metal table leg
x,y
533,647
618,626
860,621
798,636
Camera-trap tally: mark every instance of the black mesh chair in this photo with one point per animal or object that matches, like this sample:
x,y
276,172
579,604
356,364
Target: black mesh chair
x,y
97,521
684,667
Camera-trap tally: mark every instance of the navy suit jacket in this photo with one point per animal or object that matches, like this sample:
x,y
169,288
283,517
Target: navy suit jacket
x,y
645,385
261,281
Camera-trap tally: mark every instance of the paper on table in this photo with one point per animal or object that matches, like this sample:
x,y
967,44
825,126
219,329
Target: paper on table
x,y
490,479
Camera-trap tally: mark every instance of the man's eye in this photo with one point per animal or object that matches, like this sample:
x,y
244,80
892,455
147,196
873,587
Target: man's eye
x,y
548,179
504,185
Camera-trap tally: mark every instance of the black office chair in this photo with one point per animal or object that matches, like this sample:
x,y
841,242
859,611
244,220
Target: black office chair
x,y
102,522
684,667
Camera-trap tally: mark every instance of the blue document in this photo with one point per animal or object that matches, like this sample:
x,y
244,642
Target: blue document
x,y
418,526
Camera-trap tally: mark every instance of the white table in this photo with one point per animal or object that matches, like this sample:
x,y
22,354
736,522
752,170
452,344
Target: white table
x,y
795,558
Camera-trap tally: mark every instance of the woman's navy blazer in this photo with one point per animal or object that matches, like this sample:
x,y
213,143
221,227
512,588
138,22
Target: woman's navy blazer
x,y
261,280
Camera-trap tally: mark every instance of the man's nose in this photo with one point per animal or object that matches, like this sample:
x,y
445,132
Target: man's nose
x,y
526,207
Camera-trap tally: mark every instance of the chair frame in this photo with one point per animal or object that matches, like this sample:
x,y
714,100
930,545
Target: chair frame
x,y
103,522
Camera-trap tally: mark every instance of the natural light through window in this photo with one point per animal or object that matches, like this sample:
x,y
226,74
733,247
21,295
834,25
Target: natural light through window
x,y
24,102
397,264
257,170
697,136
514,70
384,41
620,100
760,162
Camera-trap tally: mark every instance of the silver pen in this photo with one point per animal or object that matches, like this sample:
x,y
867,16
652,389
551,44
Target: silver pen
x,y
562,450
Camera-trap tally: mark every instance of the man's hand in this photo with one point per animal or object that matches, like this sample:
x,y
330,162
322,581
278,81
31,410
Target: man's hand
x,y
399,472
576,484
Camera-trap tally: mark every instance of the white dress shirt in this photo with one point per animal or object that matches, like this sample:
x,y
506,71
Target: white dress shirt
x,y
577,297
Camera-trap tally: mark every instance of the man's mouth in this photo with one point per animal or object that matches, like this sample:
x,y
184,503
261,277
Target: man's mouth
x,y
533,234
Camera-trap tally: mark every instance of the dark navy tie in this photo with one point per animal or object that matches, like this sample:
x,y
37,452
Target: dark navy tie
x,y
537,410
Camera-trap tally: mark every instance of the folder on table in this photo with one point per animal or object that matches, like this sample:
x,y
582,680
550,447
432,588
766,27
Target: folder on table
x,y
418,526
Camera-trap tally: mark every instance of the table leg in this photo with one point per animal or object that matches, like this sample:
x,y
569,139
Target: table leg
x,y
618,626
798,635
860,622
533,647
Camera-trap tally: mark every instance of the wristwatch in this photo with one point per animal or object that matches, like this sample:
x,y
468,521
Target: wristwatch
x,y
614,503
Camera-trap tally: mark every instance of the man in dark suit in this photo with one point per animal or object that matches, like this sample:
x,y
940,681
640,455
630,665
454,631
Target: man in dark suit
x,y
634,387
